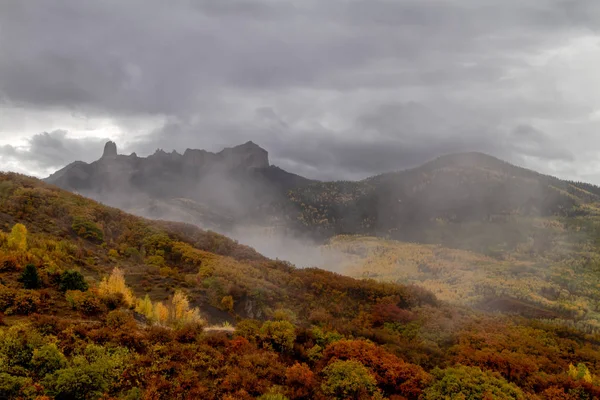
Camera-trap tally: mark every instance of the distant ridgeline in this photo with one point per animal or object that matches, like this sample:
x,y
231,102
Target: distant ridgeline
x,y
238,185
211,189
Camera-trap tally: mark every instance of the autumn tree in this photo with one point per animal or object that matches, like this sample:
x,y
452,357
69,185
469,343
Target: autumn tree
x,y
300,381
460,383
115,284
581,372
278,334
227,303
348,380
17,239
393,375
144,307
181,312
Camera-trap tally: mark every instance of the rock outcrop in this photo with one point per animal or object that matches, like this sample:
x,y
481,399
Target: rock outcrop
x,y
110,150
235,181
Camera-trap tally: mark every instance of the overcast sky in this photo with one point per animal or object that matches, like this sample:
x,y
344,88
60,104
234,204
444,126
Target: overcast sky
x,y
331,88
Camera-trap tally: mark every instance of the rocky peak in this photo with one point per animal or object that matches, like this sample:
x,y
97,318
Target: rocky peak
x,y
248,155
110,150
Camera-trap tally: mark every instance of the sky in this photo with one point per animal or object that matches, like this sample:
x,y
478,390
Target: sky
x,y
336,89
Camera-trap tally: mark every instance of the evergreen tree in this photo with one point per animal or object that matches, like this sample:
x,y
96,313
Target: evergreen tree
x,y
30,278
72,280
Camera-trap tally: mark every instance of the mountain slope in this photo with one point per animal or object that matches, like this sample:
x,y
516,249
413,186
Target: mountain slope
x,y
158,256
313,334
444,194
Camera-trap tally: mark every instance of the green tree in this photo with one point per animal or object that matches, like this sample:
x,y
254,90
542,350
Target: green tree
x,y
90,375
11,386
279,334
47,359
471,383
348,380
72,280
17,345
30,277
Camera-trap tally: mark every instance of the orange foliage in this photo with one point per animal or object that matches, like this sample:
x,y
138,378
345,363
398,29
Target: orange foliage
x,y
392,374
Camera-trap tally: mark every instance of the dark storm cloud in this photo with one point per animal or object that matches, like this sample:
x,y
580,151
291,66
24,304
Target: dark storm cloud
x,y
340,88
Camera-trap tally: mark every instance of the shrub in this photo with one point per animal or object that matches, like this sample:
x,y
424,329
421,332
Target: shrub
x,y
17,345
113,301
18,301
11,386
387,312
300,381
87,229
91,375
227,303
113,253
119,318
30,277
47,359
72,280
86,302
274,396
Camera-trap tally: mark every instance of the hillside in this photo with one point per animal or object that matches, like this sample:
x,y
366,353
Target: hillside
x,y
96,303
157,256
452,200
559,282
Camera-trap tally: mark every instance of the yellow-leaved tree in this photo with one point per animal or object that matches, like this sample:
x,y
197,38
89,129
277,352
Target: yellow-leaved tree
x,y
17,239
144,307
177,312
161,313
181,313
115,284
580,372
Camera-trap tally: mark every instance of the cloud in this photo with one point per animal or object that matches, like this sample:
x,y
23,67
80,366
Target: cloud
x,y
335,89
45,152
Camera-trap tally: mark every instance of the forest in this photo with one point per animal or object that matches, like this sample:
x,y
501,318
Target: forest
x,y
99,304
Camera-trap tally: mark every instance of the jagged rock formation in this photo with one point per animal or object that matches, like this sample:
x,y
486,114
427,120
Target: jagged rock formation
x,y
233,183
110,150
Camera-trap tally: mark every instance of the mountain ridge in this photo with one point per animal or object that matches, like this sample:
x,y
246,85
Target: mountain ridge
x,y
239,186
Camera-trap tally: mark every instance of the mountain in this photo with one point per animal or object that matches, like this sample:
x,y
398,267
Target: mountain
x,y
210,189
238,186
470,201
444,195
